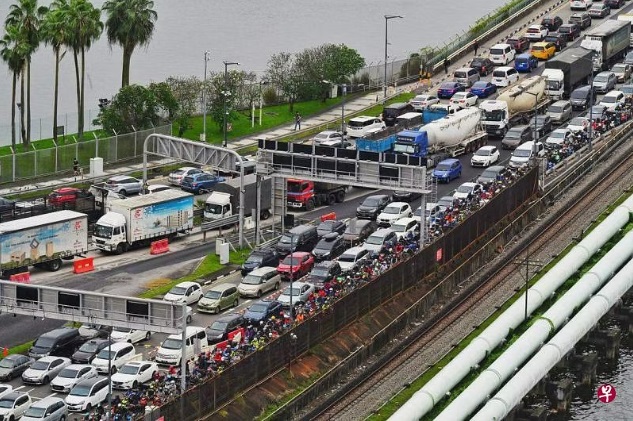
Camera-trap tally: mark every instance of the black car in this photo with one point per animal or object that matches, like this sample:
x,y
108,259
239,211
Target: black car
x,y
404,196
570,30
262,310
520,44
260,258
372,206
6,204
331,225
559,40
323,272
580,98
583,20
483,65
552,23
89,350
13,366
543,125
614,4
358,230
219,330
329,247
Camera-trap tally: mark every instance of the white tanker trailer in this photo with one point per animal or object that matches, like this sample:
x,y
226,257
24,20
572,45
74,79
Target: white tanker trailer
x,y
515,105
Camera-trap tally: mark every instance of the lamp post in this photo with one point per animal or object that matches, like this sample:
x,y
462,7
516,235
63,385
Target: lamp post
x,y
20,137
261,98
343,93
387,19
226,93
592,95
204,97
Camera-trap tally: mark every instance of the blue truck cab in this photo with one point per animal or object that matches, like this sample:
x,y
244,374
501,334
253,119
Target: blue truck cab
x,y
524,63
411,142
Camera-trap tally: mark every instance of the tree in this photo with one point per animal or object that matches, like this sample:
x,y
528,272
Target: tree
x,y
186,92
129,23
13,53
219,91
283,73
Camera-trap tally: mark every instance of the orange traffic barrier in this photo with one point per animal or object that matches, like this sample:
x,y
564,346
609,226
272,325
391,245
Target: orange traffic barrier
x,y
159,246
5,351
328,216
22,278
84,265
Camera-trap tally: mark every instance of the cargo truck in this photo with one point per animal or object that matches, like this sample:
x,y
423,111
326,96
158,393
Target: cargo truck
x,y
42,241
141,219
566,71
610,40
627,17
224,200
303,194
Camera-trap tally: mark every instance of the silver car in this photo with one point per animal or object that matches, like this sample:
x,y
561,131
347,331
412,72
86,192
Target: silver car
x,y
124,185
50,408
259,281
300,292
560,111
622,71
71,375
45,369
604,82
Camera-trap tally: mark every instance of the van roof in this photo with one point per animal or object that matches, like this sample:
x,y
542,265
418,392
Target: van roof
x,y
302,228
397,105
190,331
501,45
362,118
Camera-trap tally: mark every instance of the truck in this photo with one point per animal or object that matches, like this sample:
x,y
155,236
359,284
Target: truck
x,y
515,105
224,200
303,194
42,241
376,145
610,40
627,17
566,71
141,219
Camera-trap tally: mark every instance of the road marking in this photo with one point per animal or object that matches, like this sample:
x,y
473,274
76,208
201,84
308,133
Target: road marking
x,y
19,387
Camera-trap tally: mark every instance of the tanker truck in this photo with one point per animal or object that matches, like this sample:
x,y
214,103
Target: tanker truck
x,y
515,105
610,40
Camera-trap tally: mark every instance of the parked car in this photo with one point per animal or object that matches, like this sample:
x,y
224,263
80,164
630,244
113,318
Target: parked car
x,y
447,170
352,258
536,32
483,65
323,272
468,191
260,258
86,352
520,44
13,366
327,135
543,125
329,247
72,374
420,102
296,293
583,20
358,230
259,281
543,50
133,374
493,174
570,30
87,394
68,196
485,156
221,327
175,177
448,89
582,97
560,111
559,40
558,137
622,72
330,226
463,99
44,370
372,206
483,89
516,136
13,405
393,212
552,23
599,10
197,183
295,265
125,334
262,310
184,292
125,185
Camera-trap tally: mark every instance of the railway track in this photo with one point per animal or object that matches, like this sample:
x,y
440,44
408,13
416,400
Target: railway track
x,y
360,395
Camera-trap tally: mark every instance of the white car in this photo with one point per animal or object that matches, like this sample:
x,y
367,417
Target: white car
x,y
463,99
300,292
44,370
467,191
71,375
394,211
5,389
405,227
536,32
155,188
612,99
124,334
581,4
134,373
13,405
420,102
485,156
87,394
176,177
558,136
327,135
352,258
578,124
188,292
114,357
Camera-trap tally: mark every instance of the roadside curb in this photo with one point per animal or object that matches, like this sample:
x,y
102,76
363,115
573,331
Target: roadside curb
x,y
231,270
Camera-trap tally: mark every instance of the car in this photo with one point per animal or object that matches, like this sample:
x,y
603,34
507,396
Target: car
x,y
447,170
14,365
628,59
124,185
262,310
485,156
71,375
560,111
218,297
381,240
393,212
448,89
337,143
363,126
68,196
446,201
13,405
483,65
330,226
91,331
323,272
7,205
372,206
433,211
501,54
552,23
260,258
516,136
184,292
599,10
504,76
468,191
520,44
175,177
295,265
50,408
570,31
558,137
613,100
198,183
86,352
358,230
578,124
113,357
559,41
353,258
614,4
155,188
327,135
483,89
404,196
124,334
259,281
420,102
536,32
221,327
598,111
543,124
463,99
466,76
329,247
543,50
627,90
5,389
525,63
134,373
583,20
622,72
493,174
296,293
582,97
44,370
406,227
87,394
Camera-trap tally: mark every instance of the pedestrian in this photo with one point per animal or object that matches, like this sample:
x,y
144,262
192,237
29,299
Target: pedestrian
x,y
297,121
475,47
446,63
76,168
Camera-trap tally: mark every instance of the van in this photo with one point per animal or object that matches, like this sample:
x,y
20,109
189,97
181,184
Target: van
x,y
501,54
87,394
218,298
61,342
49,408
259,281
525,152
363,125
300,238
504,76
466,76
170,351
391,112
115,355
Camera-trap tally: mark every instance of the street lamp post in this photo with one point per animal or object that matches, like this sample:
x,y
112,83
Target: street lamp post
x,y
204,97
591,100
343,92
226,93
387,18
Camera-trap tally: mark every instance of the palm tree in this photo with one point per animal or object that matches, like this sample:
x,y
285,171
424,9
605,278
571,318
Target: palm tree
x,y
130,23
13,53
26,15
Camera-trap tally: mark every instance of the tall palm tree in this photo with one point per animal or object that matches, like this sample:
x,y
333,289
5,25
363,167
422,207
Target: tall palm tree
x,y
13,53
26,15
130,23
84,23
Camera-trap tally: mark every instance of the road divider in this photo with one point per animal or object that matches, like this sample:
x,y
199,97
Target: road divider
x,y
159,246
21,278
84,265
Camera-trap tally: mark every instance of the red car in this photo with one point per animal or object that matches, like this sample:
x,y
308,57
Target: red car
x,y
301,263
67,195
520,44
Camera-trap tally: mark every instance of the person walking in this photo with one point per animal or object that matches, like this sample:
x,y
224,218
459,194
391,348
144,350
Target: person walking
x,y
446,63
76,168
475,47
297,121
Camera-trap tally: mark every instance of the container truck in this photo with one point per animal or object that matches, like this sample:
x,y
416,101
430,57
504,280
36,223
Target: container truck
x,y
141,219
610,40
513,106
627,17
309,194
224,200
42,241
376,145
566,71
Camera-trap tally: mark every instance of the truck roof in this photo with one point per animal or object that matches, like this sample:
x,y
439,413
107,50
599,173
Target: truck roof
x,y
149,199
571,55
607,28
412,133
235,182
39,220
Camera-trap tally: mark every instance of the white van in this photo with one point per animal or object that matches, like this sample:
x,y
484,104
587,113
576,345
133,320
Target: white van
x,y
501,54
363,125
170,350
524,152
504,76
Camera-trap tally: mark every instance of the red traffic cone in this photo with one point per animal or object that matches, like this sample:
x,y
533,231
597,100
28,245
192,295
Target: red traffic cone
x,y
5,351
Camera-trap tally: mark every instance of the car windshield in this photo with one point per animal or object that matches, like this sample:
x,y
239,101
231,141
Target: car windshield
x,y
129,369
610,99
494,115
179,172
399,227
292,260
35,412
420,98
375,240
443,167
347,258
320,272
325,226
393,210
477,62
4,363
447,85
461,74
104,354
371,201
556,109
601,78
178,290
522,153
446,202
255,258
122,329
40,365
483,152
489,174
212,295
627,89
578,121
497,51
538,48
619,68
295,291
479,85
171,343
464,189
103,231
459,95
89,347
286,239
558,134
249,279
513,134
219,325
582,94
80,390
68,373
258,308
6,403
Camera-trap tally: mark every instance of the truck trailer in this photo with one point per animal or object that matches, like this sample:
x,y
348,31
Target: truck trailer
x,y
224,200
42,241
309,194
142,219
610,40
568,70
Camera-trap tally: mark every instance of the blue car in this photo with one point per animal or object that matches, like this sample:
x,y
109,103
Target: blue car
x,y
483,89
448,89
195,183
447,170
524,63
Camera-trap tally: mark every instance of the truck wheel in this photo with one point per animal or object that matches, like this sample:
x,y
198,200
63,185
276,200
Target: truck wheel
x,y
331,199
54,265
265,214
340,196
120,248
310,205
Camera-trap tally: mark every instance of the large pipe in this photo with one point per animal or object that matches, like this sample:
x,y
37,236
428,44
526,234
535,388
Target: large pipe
x,y
526,345
551,353
424,399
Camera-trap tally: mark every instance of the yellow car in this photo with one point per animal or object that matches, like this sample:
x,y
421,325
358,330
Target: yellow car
x,y
543,50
